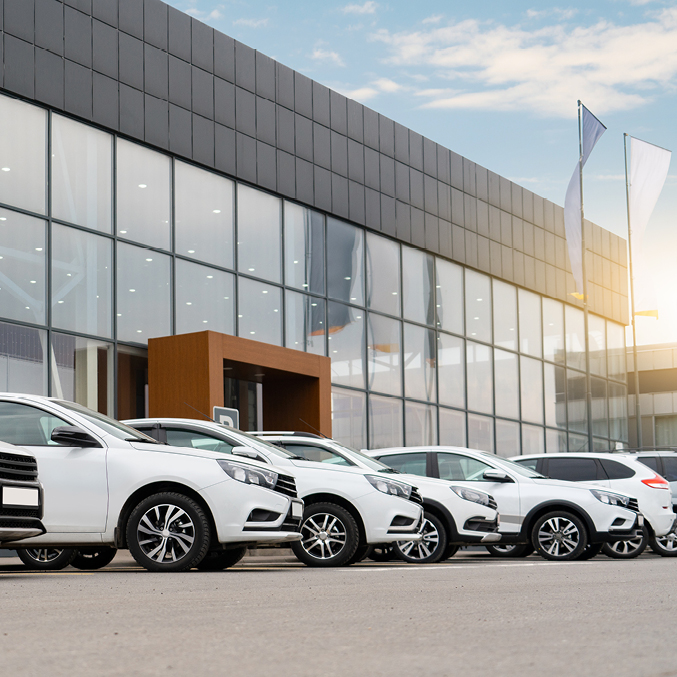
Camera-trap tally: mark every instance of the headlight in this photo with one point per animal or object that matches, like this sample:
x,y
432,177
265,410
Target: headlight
x,y
610,499
390,486
471,495
248,474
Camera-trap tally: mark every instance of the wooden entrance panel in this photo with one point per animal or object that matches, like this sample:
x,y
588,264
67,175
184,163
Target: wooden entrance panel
x,y
189,369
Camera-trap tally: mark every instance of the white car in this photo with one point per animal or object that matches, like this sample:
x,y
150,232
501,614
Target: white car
x,y
618,472
108,486
454,515
347,508
560,520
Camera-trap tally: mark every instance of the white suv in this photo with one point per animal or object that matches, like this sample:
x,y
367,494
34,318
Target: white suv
x,y
347,508
108,486
561,520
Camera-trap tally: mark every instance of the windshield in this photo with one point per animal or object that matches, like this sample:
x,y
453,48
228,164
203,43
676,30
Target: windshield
x,y
256,443
353,454
516,467
107,424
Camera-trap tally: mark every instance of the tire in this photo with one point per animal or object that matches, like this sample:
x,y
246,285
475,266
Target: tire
x,y
218,560
629,549
360,554
665,546
560,536
89,559
430,548
591,550
178,544
451,550
509,550
382,553
330,536
47,559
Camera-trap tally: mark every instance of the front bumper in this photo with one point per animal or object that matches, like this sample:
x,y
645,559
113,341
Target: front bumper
x,y
612,536
389,518
20,518
480,530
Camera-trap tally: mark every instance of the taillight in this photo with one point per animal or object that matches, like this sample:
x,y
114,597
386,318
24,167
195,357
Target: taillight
x,y
656,482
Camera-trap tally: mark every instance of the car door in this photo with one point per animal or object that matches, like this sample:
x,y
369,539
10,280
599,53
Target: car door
x,y
576,469
74,478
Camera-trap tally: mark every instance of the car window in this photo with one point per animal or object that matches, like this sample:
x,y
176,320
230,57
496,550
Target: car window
x,y
527,462
459,467
189,438
22,424
573,469
616,470
319,454
649,462
413,464
670,468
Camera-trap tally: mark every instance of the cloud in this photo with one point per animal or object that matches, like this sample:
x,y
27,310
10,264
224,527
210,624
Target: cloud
x,y
435,19
320,54
369,7
609,177
387,85
562,14
361,94
251,23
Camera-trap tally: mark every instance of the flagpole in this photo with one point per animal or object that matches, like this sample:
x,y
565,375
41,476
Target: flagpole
x,y
638,415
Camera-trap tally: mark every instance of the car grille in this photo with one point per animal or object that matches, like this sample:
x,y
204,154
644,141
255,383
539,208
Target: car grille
x,y
291,524
480,524
15,467
7,523
416,496
492,503
633,504
20,512
286,485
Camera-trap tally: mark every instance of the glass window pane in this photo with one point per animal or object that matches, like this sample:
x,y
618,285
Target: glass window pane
x,y
417,286
345,262
555,396
481,432
143,194
82,281
532,440
205,299
260,312
144,294
553,331
600,444
385,422
414,463
477,305
449,296
132,382
597,338
305,323
575,337
615,334
349,417
419,363
455,467
258,222
304,248
505,315
480,381
23,368
23,155
507,384
451,369
23,249
84,372
452,427
578,443
383,274
532,390
577,412
555,441
507,438
530,323
666,435
204,215
346,345
384,348
81,174
599,407
618,413
420,422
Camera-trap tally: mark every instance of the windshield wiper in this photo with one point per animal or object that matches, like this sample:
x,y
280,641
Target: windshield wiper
x,y
390,470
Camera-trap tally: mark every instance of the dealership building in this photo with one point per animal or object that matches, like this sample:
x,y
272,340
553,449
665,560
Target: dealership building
x,y
185,222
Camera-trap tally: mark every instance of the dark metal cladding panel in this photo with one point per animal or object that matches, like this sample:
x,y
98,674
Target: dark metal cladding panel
x,y
356,199
105,101
445,238
106,10
371,169
131,61
78,90
156,66
285,129
386,132
156,122
339,112
203,93
415,150
179,82
416,188
339,196
417,227
355,121
155,23
49,78
203,140
265,121
131,17
20,19
403,221
284,94
322,188
401,143
202,46
304,138
388,220
402,182
179,34
339,154
458,243
224,149
19,66
265,76
49,32
78,37
304,181
443,164
105,49
321,146
245,67
387,167
432,233
246,157
372,204
430,194
430,157
82,5
266,166
303,95
131,112
321,104
245,112
224,56
286,174
371,128
224,102
355,161
180,131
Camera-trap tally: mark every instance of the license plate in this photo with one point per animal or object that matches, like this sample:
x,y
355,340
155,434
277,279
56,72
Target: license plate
x,y
296,509
24,496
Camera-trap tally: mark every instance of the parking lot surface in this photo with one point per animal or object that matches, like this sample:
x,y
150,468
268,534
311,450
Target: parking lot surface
x,y
472,615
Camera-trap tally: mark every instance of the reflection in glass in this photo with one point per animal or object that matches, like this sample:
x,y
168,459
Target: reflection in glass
x,y
451,370
383,274
449,296
417,286
304,248
349,417
507,384
132,382
553,331
203,215
143,294
82,372
23,155
346,344
259,233
600,445
578,443
555,441
507,438
575,337
505,315
597,339
452,427
481,432
480,380
23,368
532,440
532,390
23,248
81,174
384,349
305,323
345,262
555,396
530,323
419,362
577,411
615,334
477,305
205,299
618,412
385,422
82,281
600,424
420,422
260,312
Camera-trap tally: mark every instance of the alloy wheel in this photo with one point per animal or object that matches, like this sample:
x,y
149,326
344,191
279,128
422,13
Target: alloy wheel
x,y
323,535
418,550
44,555
165,533
628,547
558,536
667,545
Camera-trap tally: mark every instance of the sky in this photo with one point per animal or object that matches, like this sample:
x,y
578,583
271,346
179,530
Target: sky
x,y
498,82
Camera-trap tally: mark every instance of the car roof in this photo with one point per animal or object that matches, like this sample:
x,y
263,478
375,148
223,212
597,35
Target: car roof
x,y
403,450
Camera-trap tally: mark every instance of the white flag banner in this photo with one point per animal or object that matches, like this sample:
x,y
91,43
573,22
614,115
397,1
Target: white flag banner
x,y
649,166
592,131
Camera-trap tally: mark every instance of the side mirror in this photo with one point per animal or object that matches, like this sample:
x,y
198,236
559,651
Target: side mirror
x,y
72,436
496,476
248,453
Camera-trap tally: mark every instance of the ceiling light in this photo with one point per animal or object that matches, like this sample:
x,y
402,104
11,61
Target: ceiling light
x,y
209,277
38,249
34,281
132,290
252,332
295,261
60,301
188,303
191,251
205,321
138,331
479,299
251,270
123,232
149,259
346,278
217,211
3,218
143,185
265,291
313,305
5,169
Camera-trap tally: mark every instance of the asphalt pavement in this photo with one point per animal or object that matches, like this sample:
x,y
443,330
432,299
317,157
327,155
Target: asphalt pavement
x,y
473,615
